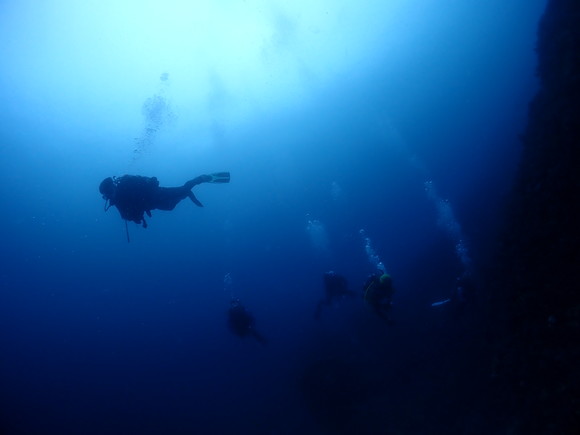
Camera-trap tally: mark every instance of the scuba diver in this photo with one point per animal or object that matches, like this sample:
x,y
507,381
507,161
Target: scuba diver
x,y
241,322
463,294
335,286
378,294
134,195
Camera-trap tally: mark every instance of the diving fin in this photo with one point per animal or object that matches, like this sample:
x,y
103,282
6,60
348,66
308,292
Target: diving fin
x,y
219,177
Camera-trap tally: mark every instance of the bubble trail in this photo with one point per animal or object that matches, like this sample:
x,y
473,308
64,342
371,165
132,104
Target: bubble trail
x,y
372,256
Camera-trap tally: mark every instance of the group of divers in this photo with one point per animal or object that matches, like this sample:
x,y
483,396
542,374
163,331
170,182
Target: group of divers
x,y
377,293
135,195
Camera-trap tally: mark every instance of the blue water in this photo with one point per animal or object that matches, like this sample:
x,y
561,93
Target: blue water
x,y
374,145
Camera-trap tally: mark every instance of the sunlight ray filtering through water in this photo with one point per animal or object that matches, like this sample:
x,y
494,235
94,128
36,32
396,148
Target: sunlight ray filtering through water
x,y
264,54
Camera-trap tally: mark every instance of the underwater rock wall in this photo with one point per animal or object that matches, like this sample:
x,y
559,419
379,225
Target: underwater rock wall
x,y
536,292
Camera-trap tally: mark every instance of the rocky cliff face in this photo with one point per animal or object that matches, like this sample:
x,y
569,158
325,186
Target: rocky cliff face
x,y
536,356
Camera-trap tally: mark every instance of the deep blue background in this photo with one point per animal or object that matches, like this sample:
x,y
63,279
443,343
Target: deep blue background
x,y
98,335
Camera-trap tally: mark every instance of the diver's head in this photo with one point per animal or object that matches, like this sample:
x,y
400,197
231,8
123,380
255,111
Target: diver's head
x,y
107,188
385,278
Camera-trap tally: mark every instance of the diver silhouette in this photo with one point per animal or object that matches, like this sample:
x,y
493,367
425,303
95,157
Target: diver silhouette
x,y
241,322
335,287
135,195
378,294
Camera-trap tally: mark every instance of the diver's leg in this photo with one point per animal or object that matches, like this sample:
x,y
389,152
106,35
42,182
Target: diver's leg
x,y
217,177
326,301
318,310
261,339
197,180
380,311
167,198
383,311
191,183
